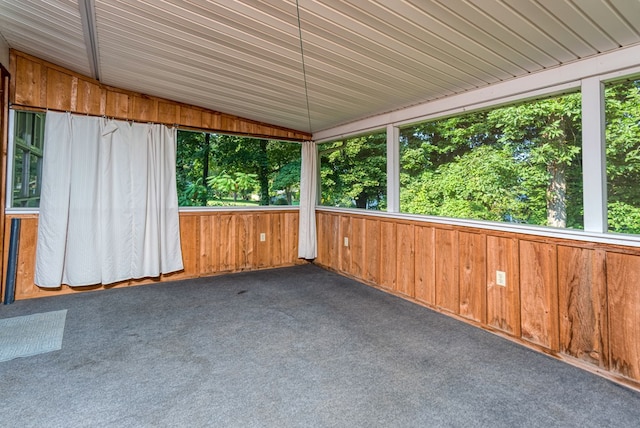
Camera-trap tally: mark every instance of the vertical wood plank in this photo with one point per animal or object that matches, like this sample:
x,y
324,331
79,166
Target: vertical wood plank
x,y
59,90
345,250
582,301
357,244
503,302
405,267
388,255
143,109
167,113
190,117
322,231
372,250
89,98
539,294
276,243
117,105
473,276
447,281
623,279
244,241
291,237
190,233
333,233
209,257
211,120
25,270
27,86
425,276
263,225
226,234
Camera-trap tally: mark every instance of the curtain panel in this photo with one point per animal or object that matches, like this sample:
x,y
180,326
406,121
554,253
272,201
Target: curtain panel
x,y
109,205
307,239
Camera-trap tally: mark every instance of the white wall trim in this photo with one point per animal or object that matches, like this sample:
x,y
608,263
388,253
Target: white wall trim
x,y
594,161
393,169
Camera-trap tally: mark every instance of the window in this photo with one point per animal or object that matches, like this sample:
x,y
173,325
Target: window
x,y
28,144
354,172
230,170
622,112
517,164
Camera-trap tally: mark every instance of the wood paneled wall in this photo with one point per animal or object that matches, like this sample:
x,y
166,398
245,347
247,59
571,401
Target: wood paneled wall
x,y
213,242
40,84
579,301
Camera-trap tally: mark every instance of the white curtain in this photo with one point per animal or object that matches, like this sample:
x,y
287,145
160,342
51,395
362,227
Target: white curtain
x,y
109,206
307,240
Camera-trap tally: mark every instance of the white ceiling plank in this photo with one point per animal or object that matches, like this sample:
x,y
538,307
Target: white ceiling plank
x,y
362,59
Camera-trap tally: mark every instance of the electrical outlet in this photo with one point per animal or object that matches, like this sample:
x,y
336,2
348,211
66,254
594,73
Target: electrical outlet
x,y
501,278
346,241
263,237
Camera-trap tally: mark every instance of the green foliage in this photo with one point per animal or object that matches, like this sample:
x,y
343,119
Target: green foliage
x,y
623,156
213,166
506,164
354,172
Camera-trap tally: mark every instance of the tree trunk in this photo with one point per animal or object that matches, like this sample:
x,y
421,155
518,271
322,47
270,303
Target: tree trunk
x,y
557,195
361,201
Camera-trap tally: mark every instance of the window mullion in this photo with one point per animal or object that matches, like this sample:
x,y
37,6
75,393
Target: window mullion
x,y
393,169
594,173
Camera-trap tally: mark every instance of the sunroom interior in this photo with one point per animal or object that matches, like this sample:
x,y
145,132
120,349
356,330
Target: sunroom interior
x,y
322,74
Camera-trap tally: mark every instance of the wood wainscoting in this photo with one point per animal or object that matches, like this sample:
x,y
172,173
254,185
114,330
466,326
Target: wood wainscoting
x,y
578,301
213,242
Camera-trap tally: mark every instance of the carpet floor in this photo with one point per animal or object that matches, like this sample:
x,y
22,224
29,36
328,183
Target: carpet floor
x,y
291,347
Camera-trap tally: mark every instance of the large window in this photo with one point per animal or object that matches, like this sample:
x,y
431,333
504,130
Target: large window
x,y
354,172
229,170
28,144
622,101
518,164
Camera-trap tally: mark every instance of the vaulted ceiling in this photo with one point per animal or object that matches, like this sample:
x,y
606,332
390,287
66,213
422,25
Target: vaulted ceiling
x,y
314,64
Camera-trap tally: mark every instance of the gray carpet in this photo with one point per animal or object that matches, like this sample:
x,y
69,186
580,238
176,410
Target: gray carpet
x,y
294,347
29,335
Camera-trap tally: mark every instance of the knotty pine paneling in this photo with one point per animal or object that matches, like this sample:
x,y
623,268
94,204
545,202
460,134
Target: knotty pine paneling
x,y
405,267
473,276
27,89
322,232
209,248
40,84
245,243
539,294
503,302
212,242
357,245
227,233
190,243
447,273
60,90
90,98
345,250
372,250
582,304
425,265
290,242
623,286
388,255
333,234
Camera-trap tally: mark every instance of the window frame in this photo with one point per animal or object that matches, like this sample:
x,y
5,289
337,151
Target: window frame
x,y
9,173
